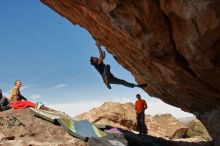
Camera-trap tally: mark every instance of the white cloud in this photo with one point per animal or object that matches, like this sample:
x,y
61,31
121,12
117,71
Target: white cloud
x,y
160,107
25,87
5,94
36,96
60,86
75,108
122,100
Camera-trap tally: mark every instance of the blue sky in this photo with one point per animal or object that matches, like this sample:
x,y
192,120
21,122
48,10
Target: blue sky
x,y
51,57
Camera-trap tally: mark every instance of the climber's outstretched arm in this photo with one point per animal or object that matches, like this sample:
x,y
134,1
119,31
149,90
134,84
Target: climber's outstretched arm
x,y
102,54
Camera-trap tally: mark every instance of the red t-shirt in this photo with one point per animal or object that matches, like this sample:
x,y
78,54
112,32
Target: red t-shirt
x,y
140,105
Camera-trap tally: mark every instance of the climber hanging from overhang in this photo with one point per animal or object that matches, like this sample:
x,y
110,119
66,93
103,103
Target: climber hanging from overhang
x,y
105,72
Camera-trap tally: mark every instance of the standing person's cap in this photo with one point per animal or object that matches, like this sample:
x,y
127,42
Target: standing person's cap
x,y
138,95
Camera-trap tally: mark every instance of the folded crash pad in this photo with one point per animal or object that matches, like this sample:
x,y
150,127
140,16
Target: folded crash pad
x,y
80,129
50,116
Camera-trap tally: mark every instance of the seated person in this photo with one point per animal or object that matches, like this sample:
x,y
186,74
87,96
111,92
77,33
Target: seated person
x,y
4,103
15,94
18,101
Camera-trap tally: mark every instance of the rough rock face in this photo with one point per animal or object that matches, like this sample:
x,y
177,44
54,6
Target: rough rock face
x,y
34,132
123,116
166,126
173,45
212,120
112,113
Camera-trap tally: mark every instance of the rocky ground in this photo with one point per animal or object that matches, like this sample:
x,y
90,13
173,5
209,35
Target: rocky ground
x,y
22,128
123,116
28,130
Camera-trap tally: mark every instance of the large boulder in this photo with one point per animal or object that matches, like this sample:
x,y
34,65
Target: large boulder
x,y
112,113
165,125
173,45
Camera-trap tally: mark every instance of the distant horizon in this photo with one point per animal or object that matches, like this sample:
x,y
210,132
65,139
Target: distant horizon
x,y
51,57
74,108
77,107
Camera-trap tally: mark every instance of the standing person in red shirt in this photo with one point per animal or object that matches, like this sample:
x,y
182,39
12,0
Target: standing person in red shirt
x,y
140,107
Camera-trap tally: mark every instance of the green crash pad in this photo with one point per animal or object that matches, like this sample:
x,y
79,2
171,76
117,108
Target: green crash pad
x,y
81,129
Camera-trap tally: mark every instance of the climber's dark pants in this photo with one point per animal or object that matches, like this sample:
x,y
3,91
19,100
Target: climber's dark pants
x,y
141,127
107,75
